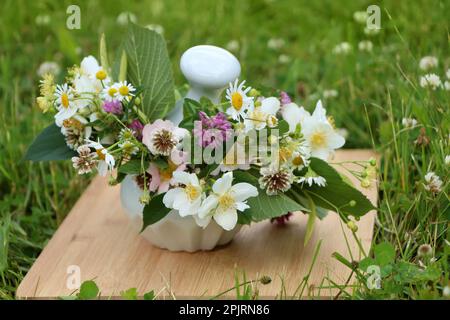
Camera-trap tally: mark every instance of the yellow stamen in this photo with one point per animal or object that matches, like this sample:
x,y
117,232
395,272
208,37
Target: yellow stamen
x,y
318,139
192,192
237,101
123,90
112,91
101,75
100,154
226,201
285,154
166,174
65,100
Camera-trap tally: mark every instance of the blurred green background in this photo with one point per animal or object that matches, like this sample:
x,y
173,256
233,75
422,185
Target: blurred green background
x,y
284,44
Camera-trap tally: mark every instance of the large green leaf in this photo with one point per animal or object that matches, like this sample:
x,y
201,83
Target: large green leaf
x,y
264,206
149,66
337,193
154,211
50,144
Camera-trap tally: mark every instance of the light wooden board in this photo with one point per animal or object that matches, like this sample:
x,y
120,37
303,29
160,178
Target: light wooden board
x,y
96,237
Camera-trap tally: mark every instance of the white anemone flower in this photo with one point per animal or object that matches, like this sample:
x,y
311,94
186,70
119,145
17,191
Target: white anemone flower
x,y
224,202
239,101
186,198
106,161
257,117
66,104
320,135
294,115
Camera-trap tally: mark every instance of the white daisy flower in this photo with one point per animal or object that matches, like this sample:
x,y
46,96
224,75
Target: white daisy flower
x,y
111,93
125,91
186,198
258,117
320,135
239,101
106,161
311,178
430,80
428,62
66,103
224,202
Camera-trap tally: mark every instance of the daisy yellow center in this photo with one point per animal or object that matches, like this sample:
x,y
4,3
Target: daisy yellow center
x,y
123,90
237,101
318,139
192,192
100,154
226,201
297,161
112,91
101,75
65,100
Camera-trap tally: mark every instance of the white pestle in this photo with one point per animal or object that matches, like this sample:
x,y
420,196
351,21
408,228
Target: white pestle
x,y
209,70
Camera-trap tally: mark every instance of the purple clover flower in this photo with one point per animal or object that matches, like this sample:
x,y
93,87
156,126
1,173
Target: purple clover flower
x,y
284,98
113,106
212,131
137,127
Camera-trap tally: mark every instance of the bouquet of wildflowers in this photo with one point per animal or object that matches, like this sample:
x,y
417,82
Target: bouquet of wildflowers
x,y
250,157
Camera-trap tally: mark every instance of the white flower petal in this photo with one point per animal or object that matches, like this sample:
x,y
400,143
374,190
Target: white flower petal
x,y
170,196
226,219
293,114
202,222
270,105
89,65
208,205
181,177
241,206
223,184
320,113
242,191
335,140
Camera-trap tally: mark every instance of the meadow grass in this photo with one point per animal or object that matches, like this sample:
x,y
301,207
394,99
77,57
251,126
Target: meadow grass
x,y
376,90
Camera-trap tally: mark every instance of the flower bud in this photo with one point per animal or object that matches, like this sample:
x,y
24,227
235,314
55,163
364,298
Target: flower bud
x,y
112,181
352,226
254,93
373,162
265,280
137,101
352,203
365,183
144,198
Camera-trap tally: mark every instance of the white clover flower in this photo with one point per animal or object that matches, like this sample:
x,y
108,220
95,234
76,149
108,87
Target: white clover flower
x,y
85,161
233,45
239,101
447,160
284,59
428,62
365,45
433,183
123,17
275,43
371,31
342,48
106,161
409,122
42,19
187,198
447,85
156,27
275,180
258,116
446,291
430,80
224,202
448,73
330,93
360,16
48,67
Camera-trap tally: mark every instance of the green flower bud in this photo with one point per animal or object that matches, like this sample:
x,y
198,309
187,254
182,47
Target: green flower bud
x,y
265,280
352,226
144,198
254,93
352,203
373,162
137,101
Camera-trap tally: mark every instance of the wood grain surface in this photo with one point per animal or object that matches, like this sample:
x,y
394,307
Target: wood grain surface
x,y
97,237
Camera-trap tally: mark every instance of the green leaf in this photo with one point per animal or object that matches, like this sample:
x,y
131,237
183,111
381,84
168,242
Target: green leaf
x,y
88,290
149,295
283,127
337,193
384,253
133,167
191,108
130,294
149,66
154,211
264,206
50,144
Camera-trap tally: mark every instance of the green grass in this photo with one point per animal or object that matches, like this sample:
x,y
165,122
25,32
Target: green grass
x,y
376,90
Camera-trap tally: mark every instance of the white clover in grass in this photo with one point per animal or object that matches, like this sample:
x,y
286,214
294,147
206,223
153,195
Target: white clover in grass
x,y
360,16
106,161
233,45
236,94
433,183
257,117
428,62
124,17
320,135
447,160
330,93
409,122
365,45
342,48
312,178
187,197
371,31
430,80
48,67
447,73
284,59
447,85
276,43
225,201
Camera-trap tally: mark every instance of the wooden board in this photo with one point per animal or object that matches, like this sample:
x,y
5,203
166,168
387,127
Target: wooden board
x,y
97,237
